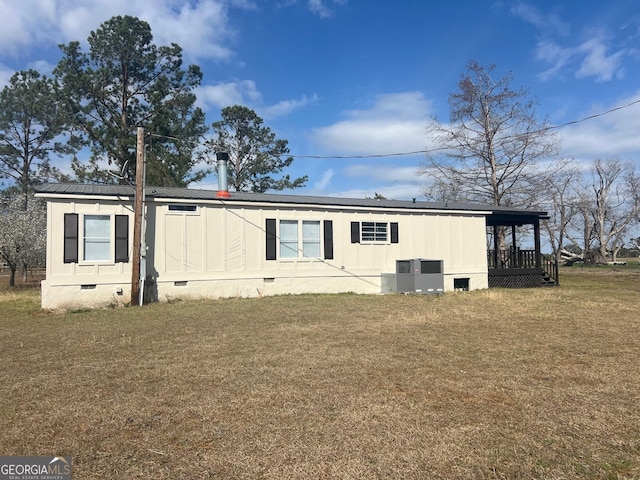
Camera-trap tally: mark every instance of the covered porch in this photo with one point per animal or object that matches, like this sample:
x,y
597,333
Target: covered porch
x,y
514,267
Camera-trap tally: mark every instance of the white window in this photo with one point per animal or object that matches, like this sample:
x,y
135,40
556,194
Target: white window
x,y
310,239
300,239
374,231
97,238
288,239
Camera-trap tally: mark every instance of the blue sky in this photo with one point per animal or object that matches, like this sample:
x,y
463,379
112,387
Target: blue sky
x,y
362,77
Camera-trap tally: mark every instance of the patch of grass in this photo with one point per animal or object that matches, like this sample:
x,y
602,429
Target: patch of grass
x,y
538,383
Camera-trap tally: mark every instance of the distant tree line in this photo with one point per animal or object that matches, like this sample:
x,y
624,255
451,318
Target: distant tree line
x,y
495,150
593,209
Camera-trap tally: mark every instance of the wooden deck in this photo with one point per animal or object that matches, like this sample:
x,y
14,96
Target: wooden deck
x,y
516,268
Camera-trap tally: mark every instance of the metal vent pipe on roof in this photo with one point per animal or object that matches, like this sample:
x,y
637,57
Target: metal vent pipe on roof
x,y
223,188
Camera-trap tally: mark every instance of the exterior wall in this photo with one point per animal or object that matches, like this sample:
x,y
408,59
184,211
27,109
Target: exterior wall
x,y
85,283
219,250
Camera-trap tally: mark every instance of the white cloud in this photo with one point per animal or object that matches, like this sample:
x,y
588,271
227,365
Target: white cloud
x,y
285,107
245,92
76,21
543,21
611,135
286,3
395,123
592,56
5,75
12,31
21,23
244,4
558,56
322,9
385,173
221,95
42,66
324,180
200,27
597,63
387,179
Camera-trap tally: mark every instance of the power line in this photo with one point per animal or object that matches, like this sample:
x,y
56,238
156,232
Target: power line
x,y
416,152
377,155
596,115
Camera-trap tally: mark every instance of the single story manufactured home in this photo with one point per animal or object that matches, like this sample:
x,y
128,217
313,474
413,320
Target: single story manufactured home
x,y
198,244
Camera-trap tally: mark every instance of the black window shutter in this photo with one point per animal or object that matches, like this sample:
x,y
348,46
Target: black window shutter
x,y
355,232
328,240
394,232
70,238
122,238
271,238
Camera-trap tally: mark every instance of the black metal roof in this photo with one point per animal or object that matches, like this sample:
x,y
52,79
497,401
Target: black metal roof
x,y
501,213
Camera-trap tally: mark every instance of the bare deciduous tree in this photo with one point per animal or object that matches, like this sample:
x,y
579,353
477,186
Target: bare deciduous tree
x,y
615,205
23,234
561,199
489,150
580,230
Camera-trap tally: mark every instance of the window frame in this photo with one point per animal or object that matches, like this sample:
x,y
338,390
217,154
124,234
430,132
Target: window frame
x,y
182,209
315,241
288,236
97,240
303,243
272,248
374,234
77,244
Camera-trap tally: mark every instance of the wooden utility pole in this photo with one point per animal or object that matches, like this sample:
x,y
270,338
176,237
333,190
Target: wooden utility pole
x,y
137,219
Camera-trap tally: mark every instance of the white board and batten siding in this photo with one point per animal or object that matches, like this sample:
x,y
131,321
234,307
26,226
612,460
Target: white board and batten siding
x,y
85,282
209,248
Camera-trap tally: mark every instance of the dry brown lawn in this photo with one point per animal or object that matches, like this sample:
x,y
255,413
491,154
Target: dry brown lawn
x,y
532,384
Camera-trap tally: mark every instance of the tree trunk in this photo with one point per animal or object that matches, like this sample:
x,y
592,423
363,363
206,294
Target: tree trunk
x,y
12,274
614,253
24,270
602,254
594,257
502,238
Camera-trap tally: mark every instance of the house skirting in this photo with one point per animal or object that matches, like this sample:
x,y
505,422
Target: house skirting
x,y
515,277
74,296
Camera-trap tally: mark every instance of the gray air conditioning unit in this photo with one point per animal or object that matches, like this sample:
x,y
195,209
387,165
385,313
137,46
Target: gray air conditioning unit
x,y
419,275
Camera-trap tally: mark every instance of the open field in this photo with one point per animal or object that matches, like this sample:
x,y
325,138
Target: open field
x,y
533,384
